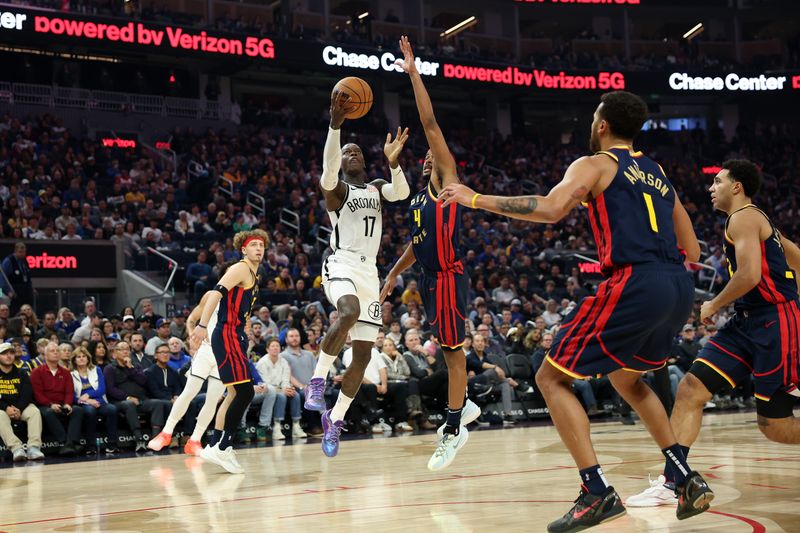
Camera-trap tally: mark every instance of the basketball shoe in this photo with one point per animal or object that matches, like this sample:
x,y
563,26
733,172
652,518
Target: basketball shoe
x,y
589,510
331,431
315,395
224,458
659,493
447,449
192,447
159,441
694,496
469,413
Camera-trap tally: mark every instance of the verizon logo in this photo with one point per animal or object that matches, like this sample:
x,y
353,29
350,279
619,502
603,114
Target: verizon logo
x,y
46,261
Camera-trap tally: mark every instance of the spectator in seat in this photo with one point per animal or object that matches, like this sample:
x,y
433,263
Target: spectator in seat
x,y
126,388
199,277
411,293
16,404
374,383
537,358
66,322
270,327
302,364
162,336
492,346
277,376
177,354
682,356
48,327
65,350
504,293
398,377
137,352
177,327
487,370
99,353
84,333
146,328
53,393
164,384
149,312
89,384
128,324
15,268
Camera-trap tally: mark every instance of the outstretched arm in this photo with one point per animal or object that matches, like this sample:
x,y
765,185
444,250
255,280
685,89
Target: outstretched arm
x,y
332,188
684,231
403,264
580,178
792,257
398,189
443,159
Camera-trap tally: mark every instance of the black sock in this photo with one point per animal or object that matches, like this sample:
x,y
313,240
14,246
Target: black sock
x,y
453,422
668,468
593,480
676,465
215,437
225,440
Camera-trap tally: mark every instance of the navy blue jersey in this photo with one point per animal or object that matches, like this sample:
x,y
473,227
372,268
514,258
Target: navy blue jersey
x,y
632,219
235,309
778,282
435,232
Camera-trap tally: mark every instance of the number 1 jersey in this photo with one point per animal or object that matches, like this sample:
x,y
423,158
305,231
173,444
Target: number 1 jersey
x,y
632,219
357,224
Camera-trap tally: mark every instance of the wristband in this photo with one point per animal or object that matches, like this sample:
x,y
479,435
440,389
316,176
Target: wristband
x,y
201,326
472,203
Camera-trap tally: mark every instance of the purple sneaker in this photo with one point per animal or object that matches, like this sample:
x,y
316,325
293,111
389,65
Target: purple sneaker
x,y
330,434
315,395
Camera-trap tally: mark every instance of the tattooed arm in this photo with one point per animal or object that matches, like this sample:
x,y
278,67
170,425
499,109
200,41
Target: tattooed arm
x,y
580,178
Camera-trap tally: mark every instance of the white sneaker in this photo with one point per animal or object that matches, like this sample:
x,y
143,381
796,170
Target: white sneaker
x,y
377,428
403,426
386,427
277,434
297,431
34,453
19,455
469,413
224,458
657,494
446,450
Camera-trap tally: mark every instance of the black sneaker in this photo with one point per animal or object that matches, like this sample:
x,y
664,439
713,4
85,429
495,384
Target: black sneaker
x,y
694,496
589,510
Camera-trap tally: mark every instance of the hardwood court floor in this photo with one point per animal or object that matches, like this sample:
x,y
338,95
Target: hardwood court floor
x,y
515,479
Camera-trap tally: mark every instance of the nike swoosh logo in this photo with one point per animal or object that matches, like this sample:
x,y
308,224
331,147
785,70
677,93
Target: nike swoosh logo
x,y
576,515
768,324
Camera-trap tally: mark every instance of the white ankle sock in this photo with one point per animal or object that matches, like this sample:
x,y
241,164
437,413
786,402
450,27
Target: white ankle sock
x,y
341,407
324,363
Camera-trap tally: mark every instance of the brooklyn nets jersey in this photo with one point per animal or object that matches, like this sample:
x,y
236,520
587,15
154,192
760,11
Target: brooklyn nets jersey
x,y
212,323
357,224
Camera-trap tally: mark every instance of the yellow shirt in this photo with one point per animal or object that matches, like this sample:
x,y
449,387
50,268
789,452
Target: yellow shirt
x,y
409,296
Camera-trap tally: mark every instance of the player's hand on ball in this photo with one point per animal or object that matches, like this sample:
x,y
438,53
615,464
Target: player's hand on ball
x,y
388,287
407,63
339,108
457,193
707,311
393,148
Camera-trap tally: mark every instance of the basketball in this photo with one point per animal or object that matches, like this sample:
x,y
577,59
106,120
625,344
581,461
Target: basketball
x,y
360,94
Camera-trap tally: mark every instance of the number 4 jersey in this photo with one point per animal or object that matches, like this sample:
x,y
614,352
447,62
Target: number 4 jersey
x,y
632,219
357,224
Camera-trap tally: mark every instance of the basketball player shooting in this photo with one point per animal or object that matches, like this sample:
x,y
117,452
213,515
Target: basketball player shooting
x,y
349,275
641,228
435,233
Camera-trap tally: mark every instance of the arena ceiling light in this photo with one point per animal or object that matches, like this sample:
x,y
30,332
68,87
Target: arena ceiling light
x,y
458,28
696,30
363,15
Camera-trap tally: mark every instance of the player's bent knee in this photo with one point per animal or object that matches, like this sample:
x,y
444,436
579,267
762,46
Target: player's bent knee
x,y
548,378
700,384
780,430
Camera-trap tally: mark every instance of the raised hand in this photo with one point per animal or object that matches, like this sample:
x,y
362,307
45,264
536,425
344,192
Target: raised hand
x,y
393,148
407,63
339,108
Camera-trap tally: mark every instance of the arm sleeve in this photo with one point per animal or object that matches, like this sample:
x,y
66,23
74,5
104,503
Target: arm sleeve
x,y
286,374
331,160
398,189
25,392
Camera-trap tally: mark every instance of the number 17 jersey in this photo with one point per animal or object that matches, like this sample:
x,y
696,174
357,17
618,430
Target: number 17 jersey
x,y
358,224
